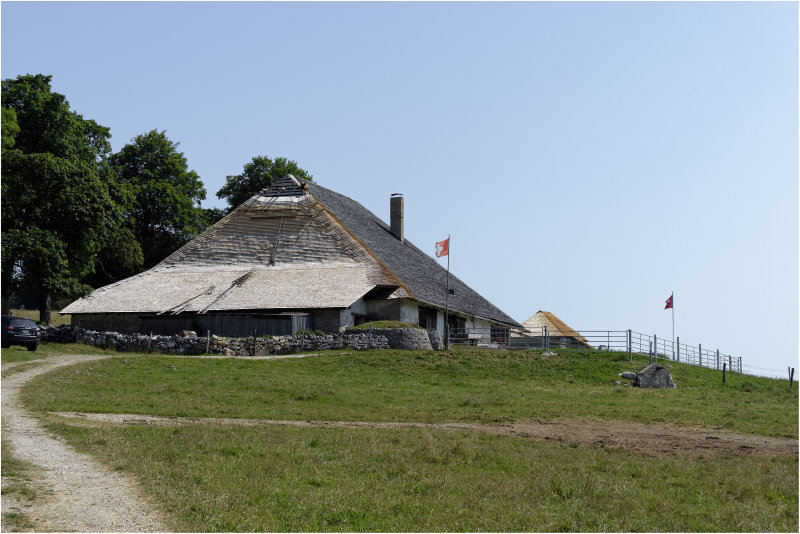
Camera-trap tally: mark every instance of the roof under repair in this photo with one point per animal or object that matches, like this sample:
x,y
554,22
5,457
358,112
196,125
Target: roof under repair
x,y
294,245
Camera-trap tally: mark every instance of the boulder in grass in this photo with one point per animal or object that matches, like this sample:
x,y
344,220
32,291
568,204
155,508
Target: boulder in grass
x,y
435,338
654,376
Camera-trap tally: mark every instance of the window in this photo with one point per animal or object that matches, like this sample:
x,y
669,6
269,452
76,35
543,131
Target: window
x,y
427,318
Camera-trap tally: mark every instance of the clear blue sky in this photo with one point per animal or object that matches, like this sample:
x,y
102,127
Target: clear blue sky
x,y
587,159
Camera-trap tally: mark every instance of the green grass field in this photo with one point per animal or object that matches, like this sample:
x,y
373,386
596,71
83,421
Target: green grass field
x,y
465,385
223,478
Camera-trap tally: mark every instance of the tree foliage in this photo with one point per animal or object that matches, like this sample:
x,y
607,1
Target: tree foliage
x,y
48,126
60,200
257,175
10,128
166,211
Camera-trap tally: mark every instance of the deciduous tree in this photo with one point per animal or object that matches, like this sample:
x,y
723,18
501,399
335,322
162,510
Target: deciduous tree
x,y
60,200
166,211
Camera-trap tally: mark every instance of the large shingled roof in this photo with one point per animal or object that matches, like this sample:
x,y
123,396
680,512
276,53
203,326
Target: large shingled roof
x,y
294,245
419,271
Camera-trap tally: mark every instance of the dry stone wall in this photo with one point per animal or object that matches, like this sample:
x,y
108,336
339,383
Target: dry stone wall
x,y
394,338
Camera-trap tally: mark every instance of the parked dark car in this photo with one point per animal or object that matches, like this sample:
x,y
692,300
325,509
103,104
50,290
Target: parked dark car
x,y
20,331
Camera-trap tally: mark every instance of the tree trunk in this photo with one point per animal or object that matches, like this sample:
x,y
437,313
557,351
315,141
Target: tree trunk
x,y
5,301
5,288
44,307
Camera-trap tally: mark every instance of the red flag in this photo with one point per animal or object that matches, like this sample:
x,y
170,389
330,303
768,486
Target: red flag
x,y
443,248
669,303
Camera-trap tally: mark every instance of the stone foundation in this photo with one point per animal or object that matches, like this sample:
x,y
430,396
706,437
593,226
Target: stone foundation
x,y
387,338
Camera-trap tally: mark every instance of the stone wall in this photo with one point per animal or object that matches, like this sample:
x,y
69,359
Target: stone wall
x,y
395,338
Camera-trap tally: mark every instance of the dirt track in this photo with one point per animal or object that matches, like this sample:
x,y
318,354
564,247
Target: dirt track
x,y
655,440
75,493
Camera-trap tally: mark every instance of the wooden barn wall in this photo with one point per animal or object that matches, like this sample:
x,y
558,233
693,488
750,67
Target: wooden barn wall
x,y
228,324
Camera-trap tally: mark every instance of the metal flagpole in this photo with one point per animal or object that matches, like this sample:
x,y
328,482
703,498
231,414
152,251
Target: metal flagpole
x,y
447,298
672,298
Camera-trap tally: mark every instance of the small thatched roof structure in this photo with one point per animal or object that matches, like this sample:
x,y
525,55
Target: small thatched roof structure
x,y
555,326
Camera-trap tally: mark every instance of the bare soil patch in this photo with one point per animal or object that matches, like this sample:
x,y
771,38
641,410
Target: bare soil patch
x,y
655,440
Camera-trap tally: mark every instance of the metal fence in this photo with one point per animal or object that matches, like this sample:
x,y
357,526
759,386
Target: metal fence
x,y
626,341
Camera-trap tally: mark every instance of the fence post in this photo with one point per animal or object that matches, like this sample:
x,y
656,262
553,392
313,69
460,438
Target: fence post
x,y
655,347
723,372
208,340
630,342
149,340
717,358
547,337
679,350
740,365
650,354
700,353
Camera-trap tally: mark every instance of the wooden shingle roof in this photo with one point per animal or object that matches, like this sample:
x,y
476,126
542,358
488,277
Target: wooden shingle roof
x,y
294,245
418,270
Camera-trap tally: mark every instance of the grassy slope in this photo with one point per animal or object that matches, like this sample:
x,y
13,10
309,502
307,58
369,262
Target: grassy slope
x,y
483,386
217,478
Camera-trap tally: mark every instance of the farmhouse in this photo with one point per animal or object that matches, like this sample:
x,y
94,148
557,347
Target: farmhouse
x,y
560,334
296,255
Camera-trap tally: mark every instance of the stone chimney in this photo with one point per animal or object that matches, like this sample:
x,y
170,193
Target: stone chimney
x,y
396,214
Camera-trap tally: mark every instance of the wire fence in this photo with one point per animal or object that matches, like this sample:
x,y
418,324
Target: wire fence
x,y
628,341
770,373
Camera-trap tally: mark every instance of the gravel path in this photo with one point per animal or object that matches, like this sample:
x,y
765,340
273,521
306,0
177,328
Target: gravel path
x,y
73,491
